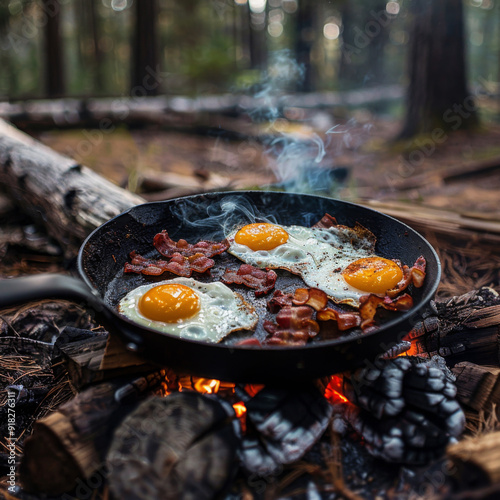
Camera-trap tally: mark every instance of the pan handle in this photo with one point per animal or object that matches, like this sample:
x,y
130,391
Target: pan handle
x,y
16,291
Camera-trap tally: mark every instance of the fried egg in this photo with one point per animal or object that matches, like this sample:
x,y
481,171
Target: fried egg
x,y
189,309
338,260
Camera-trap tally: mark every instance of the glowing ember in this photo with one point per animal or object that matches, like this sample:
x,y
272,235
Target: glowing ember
x,y
239,409
207,386
253,389
333,391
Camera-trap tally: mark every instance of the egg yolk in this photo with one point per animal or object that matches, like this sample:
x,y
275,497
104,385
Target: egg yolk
x,y
373,274
261,236
169,303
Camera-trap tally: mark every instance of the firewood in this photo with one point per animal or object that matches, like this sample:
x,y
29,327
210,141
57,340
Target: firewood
x,y
463,328
72,442
404,408
478,387
68,199
180,446
476,460
84,353
282,425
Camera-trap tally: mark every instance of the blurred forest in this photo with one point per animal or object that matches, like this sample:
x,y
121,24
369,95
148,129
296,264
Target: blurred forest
x,y
90,47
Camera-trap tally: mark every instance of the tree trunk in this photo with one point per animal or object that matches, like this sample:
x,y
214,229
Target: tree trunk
x,y
145,62
54,67
304,43
437,93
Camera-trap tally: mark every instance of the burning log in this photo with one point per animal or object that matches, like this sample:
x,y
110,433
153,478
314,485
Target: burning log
x,y
282,425
68,199
181,446
464,328
404,408
72,442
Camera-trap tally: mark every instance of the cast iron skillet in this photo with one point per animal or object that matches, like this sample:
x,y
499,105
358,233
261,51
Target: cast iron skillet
x,y
104,252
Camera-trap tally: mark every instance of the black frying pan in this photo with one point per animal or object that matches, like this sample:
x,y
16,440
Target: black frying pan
x,y
104,252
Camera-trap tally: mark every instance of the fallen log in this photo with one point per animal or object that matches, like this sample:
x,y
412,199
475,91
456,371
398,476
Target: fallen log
x,y
66,198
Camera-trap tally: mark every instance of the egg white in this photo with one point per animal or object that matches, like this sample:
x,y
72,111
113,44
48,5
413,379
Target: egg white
x,y
222,311
318,255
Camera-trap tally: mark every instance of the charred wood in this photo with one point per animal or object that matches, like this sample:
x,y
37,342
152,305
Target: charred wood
x,y
180,446
463,328
84,353
282,425
72,442
478,387
66,198
404,408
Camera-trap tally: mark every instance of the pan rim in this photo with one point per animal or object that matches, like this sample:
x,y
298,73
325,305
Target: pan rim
x,y
401,319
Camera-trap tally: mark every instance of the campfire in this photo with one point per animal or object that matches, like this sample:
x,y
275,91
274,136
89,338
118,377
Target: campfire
x,y
128,431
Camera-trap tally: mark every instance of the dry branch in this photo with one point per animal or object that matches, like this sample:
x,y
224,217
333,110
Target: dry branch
x,y
68,199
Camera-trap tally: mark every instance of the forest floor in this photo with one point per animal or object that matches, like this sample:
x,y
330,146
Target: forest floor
x,y
445,185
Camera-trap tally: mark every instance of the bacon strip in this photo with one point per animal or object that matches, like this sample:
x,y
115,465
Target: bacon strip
x,y
260,280
294,325
178,264
369,303
345,320
168,247
313,297
326,222
415,275
278,301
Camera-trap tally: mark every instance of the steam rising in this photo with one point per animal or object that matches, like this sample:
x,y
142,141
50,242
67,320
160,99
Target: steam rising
x,y
222,215
295,157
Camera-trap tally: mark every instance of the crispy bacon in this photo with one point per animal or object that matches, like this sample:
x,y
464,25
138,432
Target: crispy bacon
x,y
278,301
260,280
369,303
168,247
177,264
313,297
326,222
294,325
414,274
345,320
251,342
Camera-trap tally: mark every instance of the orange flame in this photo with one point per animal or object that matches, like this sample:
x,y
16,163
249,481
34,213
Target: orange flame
x,y
239,409
206,386
333,391
241,413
